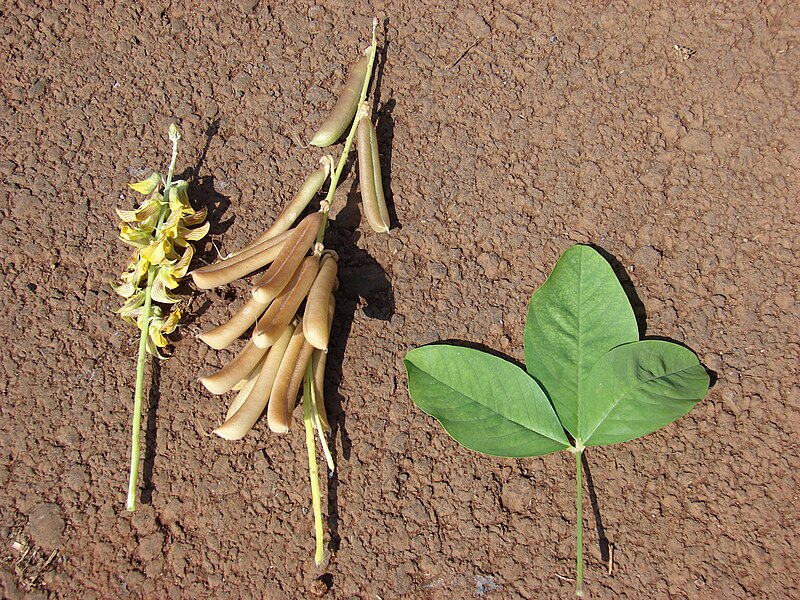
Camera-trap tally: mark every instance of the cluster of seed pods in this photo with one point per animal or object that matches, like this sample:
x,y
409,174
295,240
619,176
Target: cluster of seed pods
x,y
292,304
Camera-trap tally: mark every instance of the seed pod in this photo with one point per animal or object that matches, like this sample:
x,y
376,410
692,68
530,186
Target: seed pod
x,y
236,371
318,360
315,317
286,263
240,264
369,176
278,413
283,309
341,116
242,420
300,200
223,336
242,395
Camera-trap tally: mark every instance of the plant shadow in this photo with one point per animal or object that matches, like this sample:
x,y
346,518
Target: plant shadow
x,y
638,306
605,554
363,285
621,272
384,125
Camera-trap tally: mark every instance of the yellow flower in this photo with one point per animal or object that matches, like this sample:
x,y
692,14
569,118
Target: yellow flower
x,y
146,186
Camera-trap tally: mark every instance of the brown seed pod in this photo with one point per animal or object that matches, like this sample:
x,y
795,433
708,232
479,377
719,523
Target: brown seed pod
x,y
318,360
315,317
341,116
369,176
242,420
286,263
284,307
239,264
298,203
224,335
236,371
244,392
278,411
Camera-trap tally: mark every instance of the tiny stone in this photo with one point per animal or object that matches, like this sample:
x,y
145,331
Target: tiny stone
x,y
646,257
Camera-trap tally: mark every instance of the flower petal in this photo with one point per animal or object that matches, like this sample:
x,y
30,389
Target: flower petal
x,y
198,233
195,219
146,186
161,294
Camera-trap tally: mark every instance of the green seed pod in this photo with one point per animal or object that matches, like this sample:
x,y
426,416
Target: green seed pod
x,y
341,116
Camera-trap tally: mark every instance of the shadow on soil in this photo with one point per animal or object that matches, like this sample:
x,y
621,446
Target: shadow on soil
x,y
598,519
363,285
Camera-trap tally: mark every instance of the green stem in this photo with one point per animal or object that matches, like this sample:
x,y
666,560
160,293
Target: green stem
x,y
313,471
147,309
139,394
328,202
579,522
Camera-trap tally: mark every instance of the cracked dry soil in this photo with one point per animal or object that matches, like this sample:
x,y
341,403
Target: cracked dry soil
x,y
664,132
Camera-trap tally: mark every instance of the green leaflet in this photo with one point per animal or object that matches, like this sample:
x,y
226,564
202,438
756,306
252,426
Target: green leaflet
x,y
580,313
638,388
486,403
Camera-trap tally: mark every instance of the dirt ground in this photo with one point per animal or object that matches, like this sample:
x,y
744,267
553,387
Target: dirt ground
x,y
509,131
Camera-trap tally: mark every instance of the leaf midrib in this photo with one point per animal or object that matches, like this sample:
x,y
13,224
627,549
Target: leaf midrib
x,y
632,390
472,400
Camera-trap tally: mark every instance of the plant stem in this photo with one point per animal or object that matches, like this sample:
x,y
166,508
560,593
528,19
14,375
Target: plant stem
x,y
313,471
138,395
147,309
328,202
579,522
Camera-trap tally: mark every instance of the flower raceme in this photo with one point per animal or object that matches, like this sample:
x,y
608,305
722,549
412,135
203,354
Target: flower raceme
x,y
160,231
